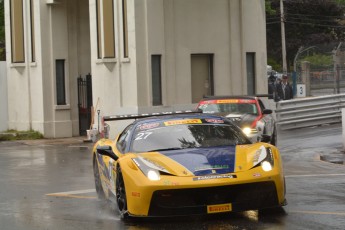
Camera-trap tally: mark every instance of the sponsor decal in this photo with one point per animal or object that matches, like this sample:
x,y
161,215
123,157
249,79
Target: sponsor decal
x,y
208,102
236,119
211,177
170,183
256,175
181,122
227,101
217,121
212,167
148,126
235,101
219,208
136,194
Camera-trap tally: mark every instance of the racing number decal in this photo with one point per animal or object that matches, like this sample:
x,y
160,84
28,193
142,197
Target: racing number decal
x,y
142,136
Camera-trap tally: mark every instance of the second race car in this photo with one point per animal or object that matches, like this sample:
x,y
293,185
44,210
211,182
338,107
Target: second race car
x,y
248,112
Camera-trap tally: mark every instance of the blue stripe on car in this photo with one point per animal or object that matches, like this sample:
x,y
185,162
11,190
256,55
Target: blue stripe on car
x,y
205,161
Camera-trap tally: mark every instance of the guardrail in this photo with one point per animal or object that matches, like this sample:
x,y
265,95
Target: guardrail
x,y
306,112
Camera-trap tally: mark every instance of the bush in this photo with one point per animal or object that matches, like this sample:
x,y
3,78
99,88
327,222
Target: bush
x,y
12,135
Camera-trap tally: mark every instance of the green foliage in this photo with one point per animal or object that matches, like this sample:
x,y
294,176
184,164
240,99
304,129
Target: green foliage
x,y
307,23
275,65
319,60
12,135
341,2
269,10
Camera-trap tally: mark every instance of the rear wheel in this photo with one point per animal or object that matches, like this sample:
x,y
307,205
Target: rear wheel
x,y
121,198
98,183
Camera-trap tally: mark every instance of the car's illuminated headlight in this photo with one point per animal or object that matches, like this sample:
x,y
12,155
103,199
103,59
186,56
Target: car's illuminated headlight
x,y
248,131
150,169
266,166
153,175
268,162
264,158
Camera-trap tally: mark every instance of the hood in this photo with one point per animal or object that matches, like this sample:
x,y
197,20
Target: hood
x,y
241,120
198,161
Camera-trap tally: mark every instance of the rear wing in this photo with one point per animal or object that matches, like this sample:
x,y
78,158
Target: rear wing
x,y
143,115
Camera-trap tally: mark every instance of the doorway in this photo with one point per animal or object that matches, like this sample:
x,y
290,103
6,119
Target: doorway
x,y
202,76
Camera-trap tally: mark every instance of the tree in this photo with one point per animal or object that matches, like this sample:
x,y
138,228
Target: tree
x,y
307,23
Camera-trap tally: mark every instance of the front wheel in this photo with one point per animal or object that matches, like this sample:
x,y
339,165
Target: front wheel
x,y
121,198
98,184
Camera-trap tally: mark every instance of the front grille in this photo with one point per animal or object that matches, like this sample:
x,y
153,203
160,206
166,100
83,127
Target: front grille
x,y
175,202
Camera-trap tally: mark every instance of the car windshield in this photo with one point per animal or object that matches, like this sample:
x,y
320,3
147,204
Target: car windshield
x,y
233,108
168,137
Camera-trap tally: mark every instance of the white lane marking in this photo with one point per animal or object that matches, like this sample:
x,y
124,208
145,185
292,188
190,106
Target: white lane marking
x,y
314,175
73,192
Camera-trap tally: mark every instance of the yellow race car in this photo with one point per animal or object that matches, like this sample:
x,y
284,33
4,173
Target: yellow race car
x,y
186,164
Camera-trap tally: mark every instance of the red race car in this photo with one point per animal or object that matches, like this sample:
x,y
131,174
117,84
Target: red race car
x,y
248,112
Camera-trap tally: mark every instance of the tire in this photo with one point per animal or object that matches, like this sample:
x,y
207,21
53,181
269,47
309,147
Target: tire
x,y
121,198
98,184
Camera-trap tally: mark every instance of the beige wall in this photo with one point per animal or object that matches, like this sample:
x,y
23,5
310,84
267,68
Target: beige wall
x,y
3,97
174,29
61,32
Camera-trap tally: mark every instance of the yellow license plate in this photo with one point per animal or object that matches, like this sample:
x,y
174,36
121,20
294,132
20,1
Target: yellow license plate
x,y
219,208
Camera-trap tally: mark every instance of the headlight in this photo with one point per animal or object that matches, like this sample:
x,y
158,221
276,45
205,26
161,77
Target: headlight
x,y
264,158
266,166
268,163
150,169
153,175
248,131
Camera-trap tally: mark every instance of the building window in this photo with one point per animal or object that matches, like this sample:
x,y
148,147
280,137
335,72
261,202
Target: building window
x,y
105,28
156,80
17,31
251,78
125,28
33,53
60,82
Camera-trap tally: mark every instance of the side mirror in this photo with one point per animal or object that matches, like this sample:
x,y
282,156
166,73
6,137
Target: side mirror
x,y
267,111
106,150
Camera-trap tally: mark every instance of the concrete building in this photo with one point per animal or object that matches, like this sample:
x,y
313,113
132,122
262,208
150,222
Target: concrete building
x,y
3,97
143,55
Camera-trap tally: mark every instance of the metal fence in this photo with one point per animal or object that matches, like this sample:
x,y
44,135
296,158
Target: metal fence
x,y
306,112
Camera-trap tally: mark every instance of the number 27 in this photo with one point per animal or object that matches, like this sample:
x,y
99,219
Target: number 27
x,y
142,136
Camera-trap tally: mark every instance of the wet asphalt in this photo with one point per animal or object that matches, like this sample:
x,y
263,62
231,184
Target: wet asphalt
x,y
48,184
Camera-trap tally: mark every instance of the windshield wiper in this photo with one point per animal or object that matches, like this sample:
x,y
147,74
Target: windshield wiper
x,y
165,149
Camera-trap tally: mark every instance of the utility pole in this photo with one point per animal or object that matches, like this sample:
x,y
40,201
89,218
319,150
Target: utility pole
x,y
282,18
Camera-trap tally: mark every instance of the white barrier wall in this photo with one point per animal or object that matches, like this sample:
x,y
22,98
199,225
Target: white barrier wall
x,y
3,97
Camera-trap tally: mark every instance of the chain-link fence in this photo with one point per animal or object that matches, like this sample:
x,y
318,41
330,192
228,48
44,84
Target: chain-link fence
x,y
322,81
